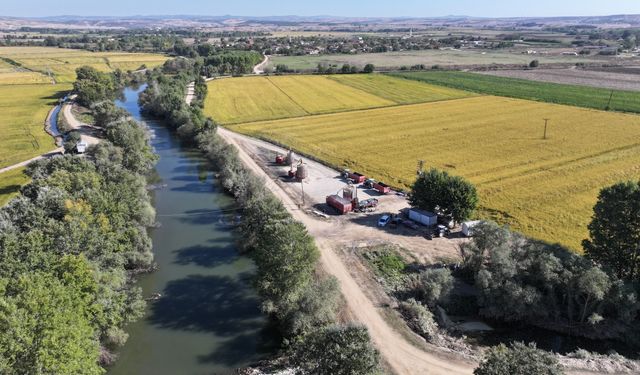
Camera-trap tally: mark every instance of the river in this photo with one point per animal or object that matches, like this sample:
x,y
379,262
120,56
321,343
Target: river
x,y
207,320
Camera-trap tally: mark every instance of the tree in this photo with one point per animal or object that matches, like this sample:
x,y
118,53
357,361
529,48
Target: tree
x,y
444,194
615,231
44,328
534,64
369,68
93,86
435,286
337,350
71,141
518,359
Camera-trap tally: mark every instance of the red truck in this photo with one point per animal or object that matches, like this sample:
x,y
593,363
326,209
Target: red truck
x,y
381,187
357,177
341,204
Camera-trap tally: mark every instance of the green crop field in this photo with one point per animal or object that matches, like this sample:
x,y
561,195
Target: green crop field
x,y
544,188
427,57
238,100
10,184
581,96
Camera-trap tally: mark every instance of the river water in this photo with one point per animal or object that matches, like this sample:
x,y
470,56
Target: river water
x,y
207,320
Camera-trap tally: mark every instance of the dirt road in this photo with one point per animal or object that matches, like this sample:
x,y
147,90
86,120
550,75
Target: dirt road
x,y
88,133
402,357
259,69
26,162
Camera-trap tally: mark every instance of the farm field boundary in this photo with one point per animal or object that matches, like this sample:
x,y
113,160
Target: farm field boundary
x,y
250,99
574,95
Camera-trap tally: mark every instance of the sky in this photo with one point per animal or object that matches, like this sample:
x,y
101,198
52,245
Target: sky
x,y
370,8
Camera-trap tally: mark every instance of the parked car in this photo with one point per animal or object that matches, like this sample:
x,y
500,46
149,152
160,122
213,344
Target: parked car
x,y
410,224
396,221
384,220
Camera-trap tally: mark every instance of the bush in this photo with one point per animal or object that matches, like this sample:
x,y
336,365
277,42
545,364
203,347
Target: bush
x,y
435,286
337,350
518,359
419,319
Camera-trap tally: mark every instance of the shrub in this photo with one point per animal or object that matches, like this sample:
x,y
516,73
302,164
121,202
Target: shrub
x,y
337,350
419,319
518,359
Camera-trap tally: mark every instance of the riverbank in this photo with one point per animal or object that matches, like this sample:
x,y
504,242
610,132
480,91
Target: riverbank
x,y
207,317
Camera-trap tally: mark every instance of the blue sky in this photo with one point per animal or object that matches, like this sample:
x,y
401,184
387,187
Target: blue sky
x,y
421,8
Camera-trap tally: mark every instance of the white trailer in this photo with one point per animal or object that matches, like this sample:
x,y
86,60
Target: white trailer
x,y
467,227
423,217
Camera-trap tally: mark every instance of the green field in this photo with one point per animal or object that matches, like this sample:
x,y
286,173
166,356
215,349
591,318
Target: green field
x,y
247,99
10,184
580,96
427,57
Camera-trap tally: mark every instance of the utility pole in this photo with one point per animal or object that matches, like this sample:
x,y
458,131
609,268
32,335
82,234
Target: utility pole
x,y
302,185
608,107
546,121
420,167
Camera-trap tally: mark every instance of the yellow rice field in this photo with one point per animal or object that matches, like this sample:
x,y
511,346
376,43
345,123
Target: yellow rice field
x,y
544,188
399,91
62,63
239,100
24,109
27,93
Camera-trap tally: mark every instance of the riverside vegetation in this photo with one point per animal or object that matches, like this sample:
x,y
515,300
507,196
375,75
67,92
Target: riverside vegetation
x,y
295,292
71,244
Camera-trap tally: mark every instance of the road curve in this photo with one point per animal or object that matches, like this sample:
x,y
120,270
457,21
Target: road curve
x,y
259,69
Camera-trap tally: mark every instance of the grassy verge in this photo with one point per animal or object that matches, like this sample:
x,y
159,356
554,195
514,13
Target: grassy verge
x,y
10,184
579,96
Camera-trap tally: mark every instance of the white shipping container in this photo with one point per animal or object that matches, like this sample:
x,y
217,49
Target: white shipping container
x,y
423,217
467,227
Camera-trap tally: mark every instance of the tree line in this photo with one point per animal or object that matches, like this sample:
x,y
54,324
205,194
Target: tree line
x,y
70,246
519,279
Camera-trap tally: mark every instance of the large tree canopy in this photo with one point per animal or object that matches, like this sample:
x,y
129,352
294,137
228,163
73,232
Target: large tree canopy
x,y
615,231
337,350
439,192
